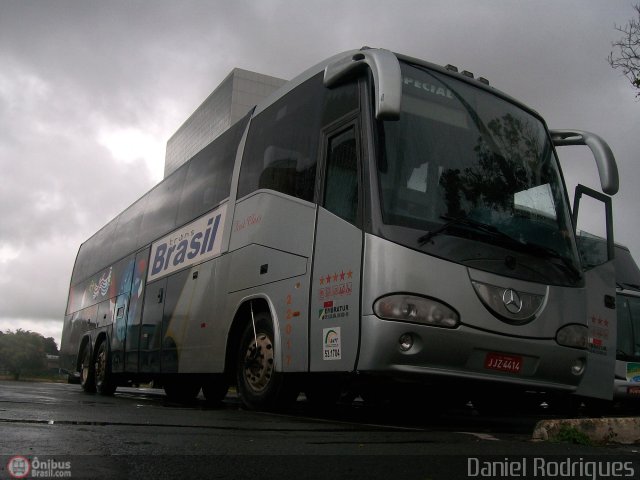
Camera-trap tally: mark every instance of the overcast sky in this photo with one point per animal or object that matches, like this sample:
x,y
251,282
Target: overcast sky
x,y
90,91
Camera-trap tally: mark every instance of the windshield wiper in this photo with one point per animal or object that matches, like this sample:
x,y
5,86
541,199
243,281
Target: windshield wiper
x,y
467,222
503,240
543,251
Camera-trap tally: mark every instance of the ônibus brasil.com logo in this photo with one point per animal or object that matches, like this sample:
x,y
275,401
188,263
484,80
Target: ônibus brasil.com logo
x,y
20,467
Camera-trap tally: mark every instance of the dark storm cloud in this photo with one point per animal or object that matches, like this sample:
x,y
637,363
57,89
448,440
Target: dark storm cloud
x,y
75,75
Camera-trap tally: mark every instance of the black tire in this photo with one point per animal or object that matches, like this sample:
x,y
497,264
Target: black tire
x,y
260,387
104,381
503,403
215,388
323,393
567,405
87,370
181,390
595,407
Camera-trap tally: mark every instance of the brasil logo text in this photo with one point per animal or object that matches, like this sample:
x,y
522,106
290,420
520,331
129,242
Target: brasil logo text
x,y
194,243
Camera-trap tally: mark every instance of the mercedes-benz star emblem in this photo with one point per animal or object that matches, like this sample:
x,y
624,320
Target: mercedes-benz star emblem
x,y
512,301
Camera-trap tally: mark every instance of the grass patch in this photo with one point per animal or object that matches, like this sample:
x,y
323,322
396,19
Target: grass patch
x,y
569,434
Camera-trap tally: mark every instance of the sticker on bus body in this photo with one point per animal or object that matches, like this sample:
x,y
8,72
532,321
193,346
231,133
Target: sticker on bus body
x,y
633,372
193,243
331,349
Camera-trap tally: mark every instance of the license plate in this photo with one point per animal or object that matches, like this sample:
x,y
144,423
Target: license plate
x,y
503,363
635,391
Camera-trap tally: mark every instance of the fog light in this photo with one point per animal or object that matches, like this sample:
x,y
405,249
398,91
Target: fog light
x,y
578,367
406,342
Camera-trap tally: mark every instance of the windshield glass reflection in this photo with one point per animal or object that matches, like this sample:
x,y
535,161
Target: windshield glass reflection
x,y
468,171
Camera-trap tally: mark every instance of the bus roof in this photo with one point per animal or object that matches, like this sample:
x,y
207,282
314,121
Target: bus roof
x,y
321,66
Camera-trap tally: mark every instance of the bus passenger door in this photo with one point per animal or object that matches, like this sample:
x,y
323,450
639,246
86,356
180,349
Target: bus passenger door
x,y
597,258
334,329
151,327
118,333
180,287
134,314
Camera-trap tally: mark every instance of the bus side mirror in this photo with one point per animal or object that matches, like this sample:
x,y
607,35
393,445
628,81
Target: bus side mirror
x,y
387,78
606,162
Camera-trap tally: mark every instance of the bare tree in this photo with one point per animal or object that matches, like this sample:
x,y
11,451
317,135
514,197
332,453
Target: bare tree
x,y
627,51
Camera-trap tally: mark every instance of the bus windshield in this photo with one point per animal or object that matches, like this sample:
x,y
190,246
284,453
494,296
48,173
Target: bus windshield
x,y
470,177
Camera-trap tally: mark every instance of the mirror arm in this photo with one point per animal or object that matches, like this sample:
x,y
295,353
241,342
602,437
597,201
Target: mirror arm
x,y
606,162
387,78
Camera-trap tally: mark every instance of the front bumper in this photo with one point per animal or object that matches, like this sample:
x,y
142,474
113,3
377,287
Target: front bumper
x,y
440,354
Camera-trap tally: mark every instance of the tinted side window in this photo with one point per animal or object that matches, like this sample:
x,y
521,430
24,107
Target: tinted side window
x,y
102,285
208,180
125,239
281,149
634,307
162,207
83,265
339,101
625,329
94,254
341,186
282,146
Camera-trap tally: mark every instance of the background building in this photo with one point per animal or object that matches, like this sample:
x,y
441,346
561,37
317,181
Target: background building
x,y
227,104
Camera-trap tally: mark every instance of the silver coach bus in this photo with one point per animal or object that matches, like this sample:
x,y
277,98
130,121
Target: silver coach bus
x,y
379,218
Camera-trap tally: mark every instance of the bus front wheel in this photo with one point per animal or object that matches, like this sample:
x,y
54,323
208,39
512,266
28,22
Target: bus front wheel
x,y
260,387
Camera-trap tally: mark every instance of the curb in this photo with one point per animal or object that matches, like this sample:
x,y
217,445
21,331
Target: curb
x,y
599,431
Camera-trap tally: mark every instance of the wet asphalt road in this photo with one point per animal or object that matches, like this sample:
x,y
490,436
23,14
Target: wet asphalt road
x,y
138,433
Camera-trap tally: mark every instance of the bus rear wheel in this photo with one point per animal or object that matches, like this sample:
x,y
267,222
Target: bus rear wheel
x,y
260,387
105,384
87,370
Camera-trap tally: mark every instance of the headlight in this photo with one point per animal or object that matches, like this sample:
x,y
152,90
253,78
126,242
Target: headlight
x,y
573,335
409,308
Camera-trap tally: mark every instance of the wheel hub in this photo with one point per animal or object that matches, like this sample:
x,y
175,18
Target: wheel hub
x,y
258,363
101,365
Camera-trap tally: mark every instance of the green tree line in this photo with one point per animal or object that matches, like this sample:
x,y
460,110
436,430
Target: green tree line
x,y
24,352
